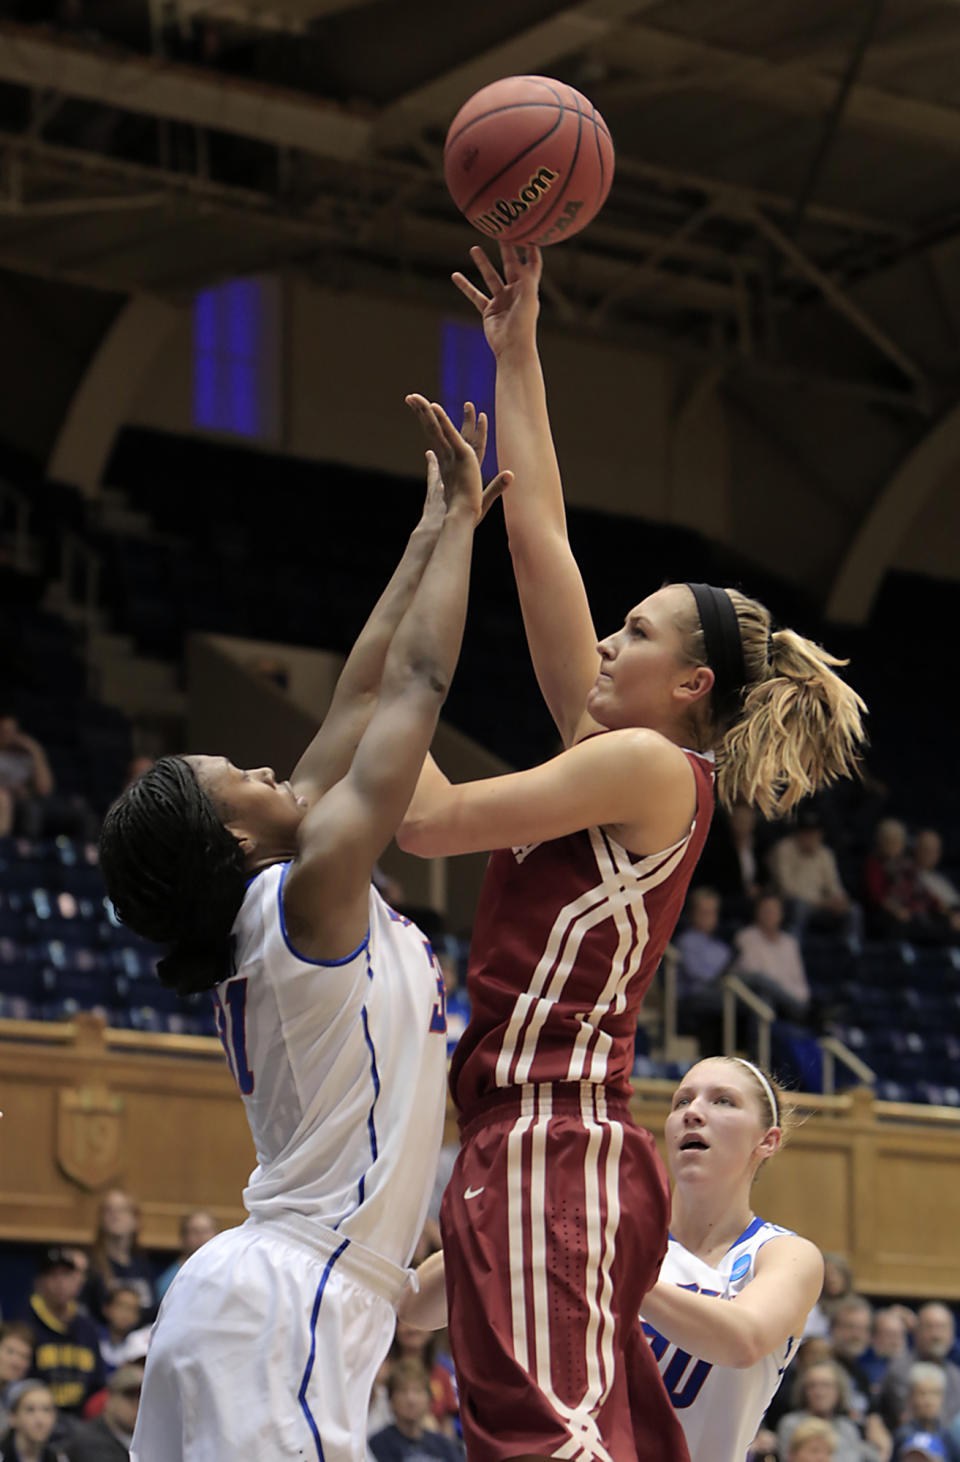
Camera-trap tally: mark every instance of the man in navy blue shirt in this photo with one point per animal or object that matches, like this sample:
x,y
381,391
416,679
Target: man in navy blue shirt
x,y
407,1440
66,1353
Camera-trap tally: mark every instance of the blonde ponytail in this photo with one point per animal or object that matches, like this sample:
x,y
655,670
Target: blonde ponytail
x,y
800,726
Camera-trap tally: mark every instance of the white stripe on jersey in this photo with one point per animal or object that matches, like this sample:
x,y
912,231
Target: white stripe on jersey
x,y
518,1298
618,894
614,994
719,1407
538,1234
528,1268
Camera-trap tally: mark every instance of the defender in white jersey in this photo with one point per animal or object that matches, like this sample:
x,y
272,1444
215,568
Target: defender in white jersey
x,y
722,1362
331,1010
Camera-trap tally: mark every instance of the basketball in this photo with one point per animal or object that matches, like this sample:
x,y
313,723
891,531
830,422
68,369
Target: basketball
x,y
528,160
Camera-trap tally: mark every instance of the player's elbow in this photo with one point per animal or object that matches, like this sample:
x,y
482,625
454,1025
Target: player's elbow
x,y
411,836
428,831
746,1349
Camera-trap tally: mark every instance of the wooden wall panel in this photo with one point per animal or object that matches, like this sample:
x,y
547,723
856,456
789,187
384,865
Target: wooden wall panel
x,y
86,1109
163,1122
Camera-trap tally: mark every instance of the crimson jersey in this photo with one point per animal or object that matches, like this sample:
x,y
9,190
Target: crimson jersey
x,y
568,936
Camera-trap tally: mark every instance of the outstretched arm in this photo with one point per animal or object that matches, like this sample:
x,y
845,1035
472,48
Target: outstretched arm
x,y
763,1316
330,753
556,614
633,781
326,893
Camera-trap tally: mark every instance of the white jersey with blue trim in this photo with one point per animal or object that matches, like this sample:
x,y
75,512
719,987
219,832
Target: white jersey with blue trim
x,y
342,1069
719,1407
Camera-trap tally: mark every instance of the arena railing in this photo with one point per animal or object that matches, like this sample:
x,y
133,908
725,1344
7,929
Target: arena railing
x,y
833,1050
736,992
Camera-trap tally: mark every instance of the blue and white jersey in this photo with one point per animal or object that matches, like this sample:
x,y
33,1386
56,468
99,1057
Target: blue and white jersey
x,y
719,1407
342,1069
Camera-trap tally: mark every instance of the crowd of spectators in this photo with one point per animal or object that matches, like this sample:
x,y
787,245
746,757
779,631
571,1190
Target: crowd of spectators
x,y
30,805
865,1384
71,1364
883,1383
761,892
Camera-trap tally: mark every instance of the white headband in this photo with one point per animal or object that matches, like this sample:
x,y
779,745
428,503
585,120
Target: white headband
x,y
768,1089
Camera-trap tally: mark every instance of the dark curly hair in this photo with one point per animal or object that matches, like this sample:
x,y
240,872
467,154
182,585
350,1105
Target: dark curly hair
x,y
175,874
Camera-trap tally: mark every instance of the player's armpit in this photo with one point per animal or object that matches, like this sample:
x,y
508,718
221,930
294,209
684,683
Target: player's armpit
x,y
327,890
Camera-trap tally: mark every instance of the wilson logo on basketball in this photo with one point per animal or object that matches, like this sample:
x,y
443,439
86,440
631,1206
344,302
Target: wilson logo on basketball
x,y
507,210
557,230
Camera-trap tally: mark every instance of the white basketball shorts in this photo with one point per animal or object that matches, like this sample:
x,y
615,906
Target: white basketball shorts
x,y
266,1347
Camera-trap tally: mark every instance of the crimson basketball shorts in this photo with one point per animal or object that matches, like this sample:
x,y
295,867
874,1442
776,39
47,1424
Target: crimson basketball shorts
x,y
554,1227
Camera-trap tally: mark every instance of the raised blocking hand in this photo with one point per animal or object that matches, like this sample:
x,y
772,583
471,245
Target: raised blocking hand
x,y
456,455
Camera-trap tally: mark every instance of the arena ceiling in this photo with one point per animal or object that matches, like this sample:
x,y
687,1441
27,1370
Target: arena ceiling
x,y
786,204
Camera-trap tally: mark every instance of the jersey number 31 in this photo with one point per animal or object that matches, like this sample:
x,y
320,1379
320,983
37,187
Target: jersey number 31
x,y
232,1029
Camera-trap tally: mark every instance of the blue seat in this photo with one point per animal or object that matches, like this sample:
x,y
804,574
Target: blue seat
x,y
17,1007
88,988
797,1056
26,980
940,1094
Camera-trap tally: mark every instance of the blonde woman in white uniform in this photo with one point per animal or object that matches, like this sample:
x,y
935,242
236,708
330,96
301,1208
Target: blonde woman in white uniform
x,y
722,1362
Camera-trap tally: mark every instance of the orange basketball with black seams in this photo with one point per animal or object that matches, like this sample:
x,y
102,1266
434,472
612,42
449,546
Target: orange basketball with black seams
x,y
528,160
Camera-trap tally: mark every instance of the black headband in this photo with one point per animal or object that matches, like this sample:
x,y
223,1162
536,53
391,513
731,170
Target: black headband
x,y
721,639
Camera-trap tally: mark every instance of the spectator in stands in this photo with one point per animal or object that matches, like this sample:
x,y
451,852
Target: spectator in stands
x,y
933,1340
763,1448
408,1437
887,1342
813,1440
822,1391
81,1265
837,1284
952,1439
898,904
16,1353
769,960
25,777
107,1438
805,874
850,1331
703,957
943,896
33,1417
116,1256
195,1229
809,1353
731,862
66,1353
121,1314
851,810
924,1410
422,1346
925,1447
888,879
